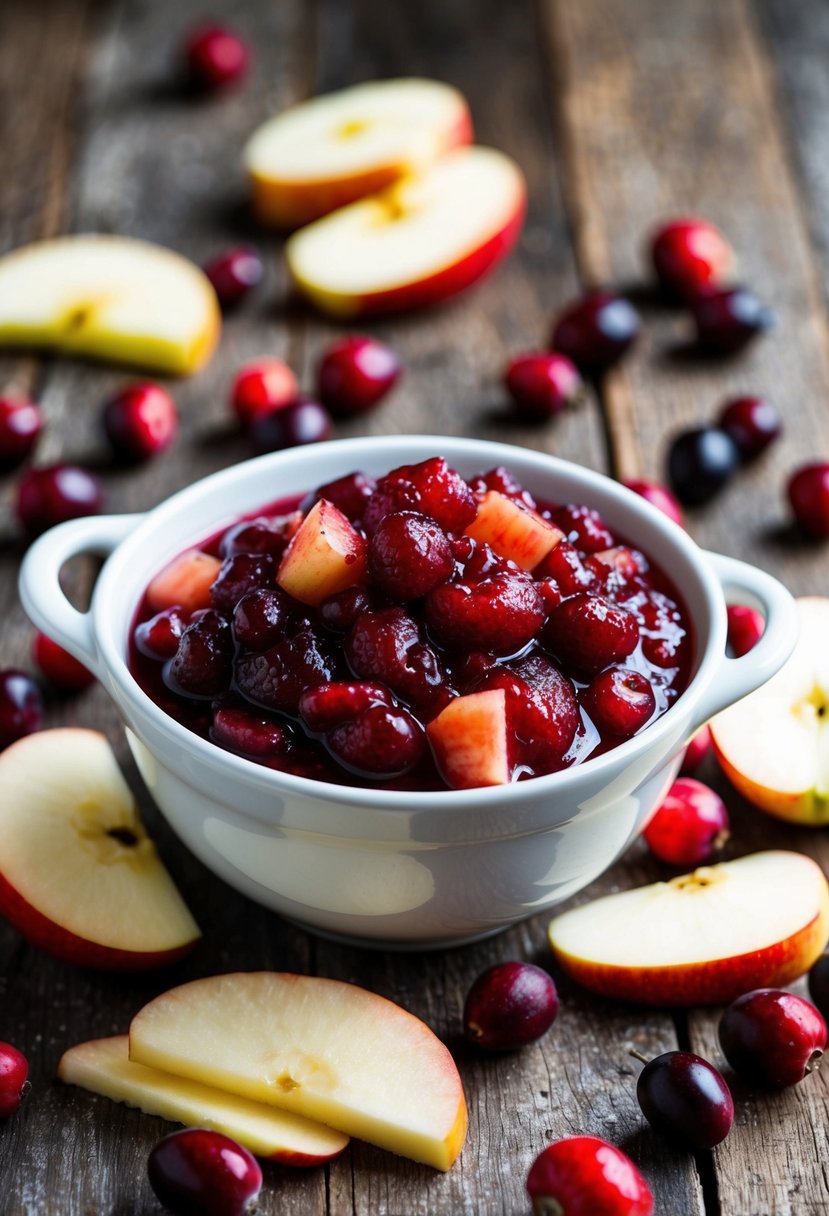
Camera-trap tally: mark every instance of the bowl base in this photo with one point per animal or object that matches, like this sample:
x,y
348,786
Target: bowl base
x,y
393,944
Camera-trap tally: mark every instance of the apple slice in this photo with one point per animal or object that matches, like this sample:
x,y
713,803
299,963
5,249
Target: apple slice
x,y
701,938
514,532
78,874
325,556
416,243
185,583
324,1049
109,297
774,744
332,150
469,740
104,1067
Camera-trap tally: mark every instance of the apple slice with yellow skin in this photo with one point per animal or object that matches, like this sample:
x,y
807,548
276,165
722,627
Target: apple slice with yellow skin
x,y
79,876
469,740
702,938
774,744
416,243
109,297
326,555
520,535
320,1048
104,1067
329,151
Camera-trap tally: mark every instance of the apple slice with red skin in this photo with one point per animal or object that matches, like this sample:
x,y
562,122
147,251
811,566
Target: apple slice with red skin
x,y
104,1067
469,740
326,555
702,938
512,531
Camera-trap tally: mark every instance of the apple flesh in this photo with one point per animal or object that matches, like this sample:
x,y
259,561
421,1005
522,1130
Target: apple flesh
x,y
702,938
421,240
513,531
317,1047
469,740
79,876
326,555
104,1067
109,297
185,583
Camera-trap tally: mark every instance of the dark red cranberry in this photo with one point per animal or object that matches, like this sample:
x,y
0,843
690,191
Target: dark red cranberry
x,y
239,574
543,384
508,1006
349,494
21,706
541,711
659,497
388,646
808,491
328,705
596,332
198,1172
690,826
378,743
752,422
389,497
583,527
550,593
772,1038
260,387
54,493
215,57
260,617
158,638
14,1084
355,374
471,668
585,1176
588,633
140,422
201,666
500,614
299,423
502,480
619,701
697,752
408,555
690,256
665,637
819,985
248,733
745,628
21,422
340,611
234,273
277,677
727,320
60,668
700,463
685,1099
564,565
430,487
260,536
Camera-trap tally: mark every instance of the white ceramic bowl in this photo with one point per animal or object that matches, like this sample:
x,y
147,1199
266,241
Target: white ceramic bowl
x,y
407,869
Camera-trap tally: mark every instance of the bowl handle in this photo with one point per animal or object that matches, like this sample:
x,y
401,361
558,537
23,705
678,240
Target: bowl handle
x,y
43,597
736,678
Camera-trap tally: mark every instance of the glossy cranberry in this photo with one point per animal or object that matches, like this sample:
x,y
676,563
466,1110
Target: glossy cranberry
x,y
292,426
237,576
355,374
259,618
619,701
500,614
588,633
659,497
469,670
752,422
564,565
378,743
388,646
541,710
690,826
585,1176
20,425
201,666
745,628
260,387
772,1038
328,705
502,480
583,527
248,733
727,320
234,273
408,555
215,57
158,638
808,491
430,487
276,678
819,984
140,422
349,494
700,463
697,752
690,256
508,1006
265,535
21,706
14,1084
54,493
198,1172
542,384
596,332
686,1099
60,668
340,611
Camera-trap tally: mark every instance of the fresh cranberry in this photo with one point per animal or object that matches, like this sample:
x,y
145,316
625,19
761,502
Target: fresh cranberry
x,y
690,826
690,256
201,666
745,628
541,709
20,425
596,332
301,422
589,633
809,496
772,1038
471,668
500,614
752,422
54,493
140,422
234,273
198,1172
698,750
267,384
237,576
355,374
819,984
340,611
585,1176
21,706
328,705
378,743
502,480
259,617
686,1099
508,1006
349,494
158,638
249,734
60,668
620,701
388,646
14,1083
658,496
727,320
700,463
276,678
265,535
409,555
583,527
215,57
430,487
564,565
543,384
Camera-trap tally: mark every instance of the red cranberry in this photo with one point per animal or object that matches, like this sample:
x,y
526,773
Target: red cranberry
x,y
267,384
295,424
690,256
215,57
349,494
140,422
541,711
505,483
772,1038
583,527
158,638
260,536
727,320
500,614
277,677
378,743
542,385
20,425
201,666
259,618
686,1099
698,750
198,1172
339,612
14,1083
508,1006
54,493
596,332
659,497
238,575
234,273
249,734
583,1176
700,462
809,495
745,628
564,565
690,826
328,705
355,374
619,701
430,487
589,633
388,646
819,984
408,555
21,706
752,422
60,668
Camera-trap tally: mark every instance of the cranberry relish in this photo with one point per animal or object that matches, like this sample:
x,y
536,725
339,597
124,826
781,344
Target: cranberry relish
x,y
416,632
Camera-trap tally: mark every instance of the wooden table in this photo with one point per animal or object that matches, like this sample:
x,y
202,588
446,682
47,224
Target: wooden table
x,y
621,112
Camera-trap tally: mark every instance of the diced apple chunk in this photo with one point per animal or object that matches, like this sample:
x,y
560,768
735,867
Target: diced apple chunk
x,y
326,555
512,531
186,582
469,740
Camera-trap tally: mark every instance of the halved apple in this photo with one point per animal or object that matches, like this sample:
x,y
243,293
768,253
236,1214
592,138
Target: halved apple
x,y
702,938
416,243
329,151
78,874
109,297
469,740
321,1048
774,744
104,1067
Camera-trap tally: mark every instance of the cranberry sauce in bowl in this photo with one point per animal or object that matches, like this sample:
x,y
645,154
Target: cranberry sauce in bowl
x,y
415,632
